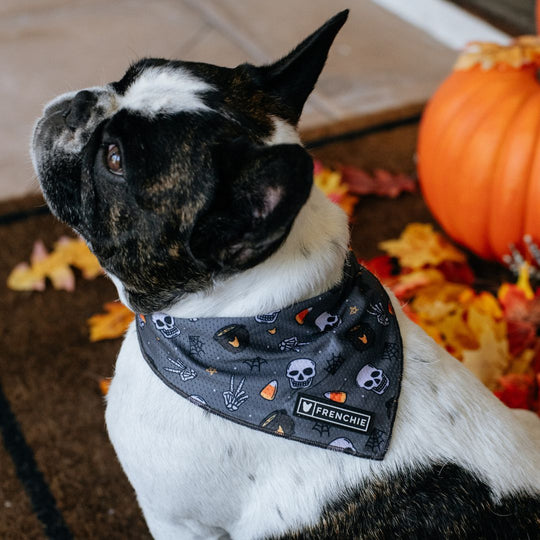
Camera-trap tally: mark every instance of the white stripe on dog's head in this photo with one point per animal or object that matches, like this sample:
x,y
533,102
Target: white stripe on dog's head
x,y
284,133
162,90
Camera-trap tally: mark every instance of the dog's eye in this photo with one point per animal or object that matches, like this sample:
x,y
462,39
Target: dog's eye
x,y
113,160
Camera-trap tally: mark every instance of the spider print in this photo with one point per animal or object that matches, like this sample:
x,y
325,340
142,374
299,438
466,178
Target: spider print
x,y
334,364
196,346
379,311
255,363
391,352
375,441
321,428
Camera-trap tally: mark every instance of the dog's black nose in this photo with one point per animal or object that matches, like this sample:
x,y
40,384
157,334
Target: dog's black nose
x,y
80,109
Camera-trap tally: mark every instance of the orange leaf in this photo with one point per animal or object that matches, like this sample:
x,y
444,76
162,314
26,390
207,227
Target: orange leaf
x,y
420,245
112,324
104,385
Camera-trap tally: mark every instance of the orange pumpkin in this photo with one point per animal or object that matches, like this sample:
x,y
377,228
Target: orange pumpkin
x,y
479,148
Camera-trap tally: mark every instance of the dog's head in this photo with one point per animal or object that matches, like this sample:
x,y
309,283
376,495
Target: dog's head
x,y
181,172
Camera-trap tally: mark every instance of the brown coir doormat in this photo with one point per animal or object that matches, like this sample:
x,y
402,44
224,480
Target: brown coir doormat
x,y
59,477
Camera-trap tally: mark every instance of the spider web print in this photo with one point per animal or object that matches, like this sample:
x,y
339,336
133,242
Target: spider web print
x,y
321,428
390,406
375,441
195,346
391,352
334,364
332,367
255,363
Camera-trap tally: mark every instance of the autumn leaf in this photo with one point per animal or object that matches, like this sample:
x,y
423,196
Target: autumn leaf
x,y
437,301
457,272
77,253
331,183
112,324
104,385
382,266
24,278
381,182
344,185
55,266
495,336
517,390
407,284
419,245
490,361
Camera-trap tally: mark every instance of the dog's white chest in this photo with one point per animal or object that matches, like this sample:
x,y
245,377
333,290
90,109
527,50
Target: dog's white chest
x,y
191,467
165,446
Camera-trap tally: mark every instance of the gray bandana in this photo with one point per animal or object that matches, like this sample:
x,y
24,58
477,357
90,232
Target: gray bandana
x,y
324,372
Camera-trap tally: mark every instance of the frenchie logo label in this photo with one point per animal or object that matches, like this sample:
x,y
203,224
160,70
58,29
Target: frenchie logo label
x,y
340,415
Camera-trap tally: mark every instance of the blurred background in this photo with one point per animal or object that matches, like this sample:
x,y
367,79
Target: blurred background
x,y
388,59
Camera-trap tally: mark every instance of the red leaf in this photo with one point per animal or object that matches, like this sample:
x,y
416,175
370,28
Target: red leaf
x,y
521,336
381,182
517,390
382,266
456,272
317,166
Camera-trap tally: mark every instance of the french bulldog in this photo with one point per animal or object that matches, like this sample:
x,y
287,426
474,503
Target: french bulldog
x,y
190,184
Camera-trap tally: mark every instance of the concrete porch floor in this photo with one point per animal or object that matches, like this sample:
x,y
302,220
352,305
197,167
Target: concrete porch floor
x,y
379,63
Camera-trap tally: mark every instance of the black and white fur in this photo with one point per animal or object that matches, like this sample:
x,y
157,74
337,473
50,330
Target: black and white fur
x,y
215,215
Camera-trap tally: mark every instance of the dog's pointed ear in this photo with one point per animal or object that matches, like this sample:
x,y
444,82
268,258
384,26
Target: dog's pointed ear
x,y
259,193
294,76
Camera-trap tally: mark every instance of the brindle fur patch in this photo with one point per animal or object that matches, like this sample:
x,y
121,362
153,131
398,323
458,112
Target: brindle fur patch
x,y
440,502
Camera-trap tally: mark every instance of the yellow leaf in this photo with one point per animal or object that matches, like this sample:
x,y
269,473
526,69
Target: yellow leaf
x,y
330,182
523,281
490,361
485,313
523,363
23,278
456,333
437,301
55,266
111,324
420,245
77,253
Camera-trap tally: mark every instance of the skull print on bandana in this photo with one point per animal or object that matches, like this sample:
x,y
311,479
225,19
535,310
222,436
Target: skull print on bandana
x,y
324,372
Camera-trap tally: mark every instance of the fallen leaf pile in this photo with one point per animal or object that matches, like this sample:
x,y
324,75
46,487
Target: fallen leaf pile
x,y
494,336
55,266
